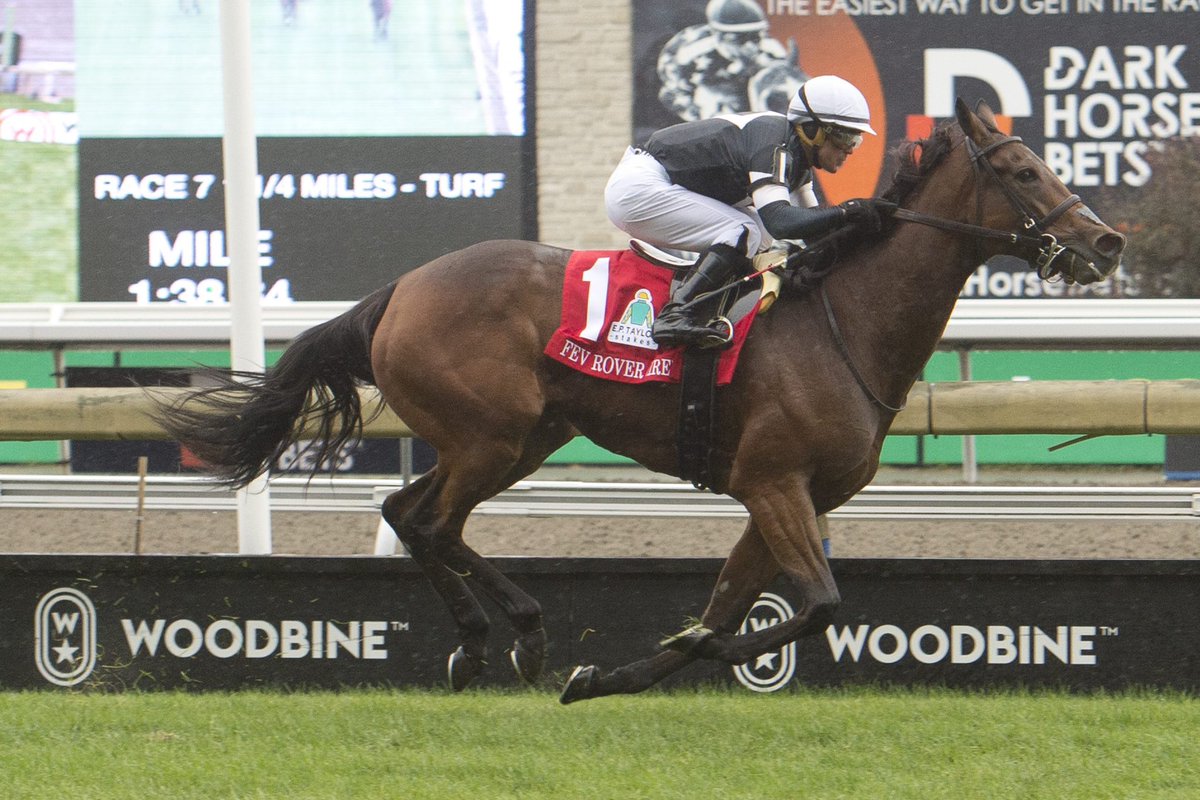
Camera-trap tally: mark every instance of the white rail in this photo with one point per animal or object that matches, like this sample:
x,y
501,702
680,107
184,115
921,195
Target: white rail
x,y
583,499
975,323
1066,324
116,325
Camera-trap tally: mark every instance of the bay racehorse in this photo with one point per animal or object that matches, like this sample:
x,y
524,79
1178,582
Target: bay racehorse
x,y
456,349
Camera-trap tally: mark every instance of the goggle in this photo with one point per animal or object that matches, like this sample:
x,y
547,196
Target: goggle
x,y
740,37
844,140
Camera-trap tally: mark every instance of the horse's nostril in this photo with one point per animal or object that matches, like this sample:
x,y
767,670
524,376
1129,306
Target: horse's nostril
x,y
1110,244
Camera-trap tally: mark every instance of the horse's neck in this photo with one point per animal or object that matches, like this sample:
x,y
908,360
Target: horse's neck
x,y
894,302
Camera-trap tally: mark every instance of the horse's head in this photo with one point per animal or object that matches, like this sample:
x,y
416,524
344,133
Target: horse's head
x,y
1017,191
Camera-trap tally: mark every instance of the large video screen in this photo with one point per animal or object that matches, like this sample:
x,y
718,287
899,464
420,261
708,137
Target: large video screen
x,y
389,132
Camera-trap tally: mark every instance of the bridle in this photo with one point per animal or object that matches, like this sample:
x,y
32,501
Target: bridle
x,y
1035,233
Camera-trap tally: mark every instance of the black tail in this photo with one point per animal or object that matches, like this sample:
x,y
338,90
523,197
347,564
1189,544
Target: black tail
x,y
241,423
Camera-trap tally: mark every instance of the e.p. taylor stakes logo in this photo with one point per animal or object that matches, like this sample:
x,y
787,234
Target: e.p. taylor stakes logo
x,y
635,324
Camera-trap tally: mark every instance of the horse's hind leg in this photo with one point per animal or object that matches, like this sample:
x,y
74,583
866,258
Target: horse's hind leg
x,y
748,570
406,512
471,485
434,527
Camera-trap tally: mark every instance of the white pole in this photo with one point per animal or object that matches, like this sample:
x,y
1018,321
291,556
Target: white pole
x,y
970,460
246,348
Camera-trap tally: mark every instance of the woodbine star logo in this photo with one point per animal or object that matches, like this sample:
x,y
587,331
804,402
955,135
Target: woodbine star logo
x,y
65,636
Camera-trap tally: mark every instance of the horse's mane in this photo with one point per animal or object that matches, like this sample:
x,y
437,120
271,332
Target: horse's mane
x,y
917,158
914,160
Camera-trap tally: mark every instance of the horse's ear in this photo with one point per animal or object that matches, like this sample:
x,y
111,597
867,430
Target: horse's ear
x,y
972,126
985,113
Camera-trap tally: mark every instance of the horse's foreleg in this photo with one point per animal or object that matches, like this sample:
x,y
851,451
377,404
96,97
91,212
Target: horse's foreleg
x,y
790,530
748,570
407,512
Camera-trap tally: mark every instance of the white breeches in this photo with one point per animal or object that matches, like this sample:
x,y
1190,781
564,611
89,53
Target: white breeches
x,y
642,201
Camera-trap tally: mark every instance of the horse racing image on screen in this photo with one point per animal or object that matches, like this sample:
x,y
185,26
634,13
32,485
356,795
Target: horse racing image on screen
x,y
389,132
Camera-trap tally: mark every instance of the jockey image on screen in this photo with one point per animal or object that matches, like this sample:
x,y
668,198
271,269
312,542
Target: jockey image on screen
x,y
731,186
708,69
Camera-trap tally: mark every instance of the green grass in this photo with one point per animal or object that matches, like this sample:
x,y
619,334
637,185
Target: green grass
x,y
21,101
39,260
718,744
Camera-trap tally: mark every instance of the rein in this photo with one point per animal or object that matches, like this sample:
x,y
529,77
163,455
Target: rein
x,y
965,228
845,351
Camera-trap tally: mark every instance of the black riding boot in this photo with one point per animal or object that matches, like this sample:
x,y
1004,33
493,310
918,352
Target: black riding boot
x,y
676,324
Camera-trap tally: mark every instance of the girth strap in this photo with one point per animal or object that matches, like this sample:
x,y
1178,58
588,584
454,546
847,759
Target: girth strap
x,y
697,415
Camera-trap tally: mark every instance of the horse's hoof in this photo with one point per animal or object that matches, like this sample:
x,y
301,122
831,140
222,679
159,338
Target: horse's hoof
x,y
689,640
528,654
463,668
579,685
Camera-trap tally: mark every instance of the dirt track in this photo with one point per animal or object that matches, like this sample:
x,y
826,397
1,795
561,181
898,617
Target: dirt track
x,y
28,530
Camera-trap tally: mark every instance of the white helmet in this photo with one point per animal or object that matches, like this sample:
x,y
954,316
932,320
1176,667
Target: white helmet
x,y
735,16
830,100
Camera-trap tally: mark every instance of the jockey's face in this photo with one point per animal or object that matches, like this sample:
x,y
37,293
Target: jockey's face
x,y
830,148
829,156
741,47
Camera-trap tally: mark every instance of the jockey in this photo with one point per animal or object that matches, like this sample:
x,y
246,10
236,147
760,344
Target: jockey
x,y
727,187
707,69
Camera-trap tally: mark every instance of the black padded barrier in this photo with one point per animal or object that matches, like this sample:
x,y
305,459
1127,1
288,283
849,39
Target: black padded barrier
x,y
226,622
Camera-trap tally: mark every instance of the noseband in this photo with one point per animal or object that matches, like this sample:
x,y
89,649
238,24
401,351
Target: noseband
x,y
1042,242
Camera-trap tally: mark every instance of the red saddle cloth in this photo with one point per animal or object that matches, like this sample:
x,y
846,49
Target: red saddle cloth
x,y
610,301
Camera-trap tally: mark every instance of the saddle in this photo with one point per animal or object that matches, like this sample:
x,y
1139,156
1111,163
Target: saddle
x,y
769,287
606,322
698,384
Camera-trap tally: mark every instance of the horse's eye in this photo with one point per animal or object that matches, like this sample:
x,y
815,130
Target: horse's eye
x,y
1027,175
